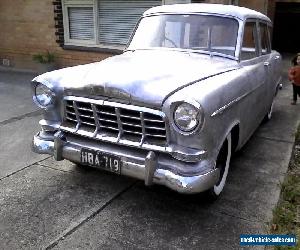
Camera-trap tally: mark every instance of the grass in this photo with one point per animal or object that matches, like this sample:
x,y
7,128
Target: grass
x,y
286,216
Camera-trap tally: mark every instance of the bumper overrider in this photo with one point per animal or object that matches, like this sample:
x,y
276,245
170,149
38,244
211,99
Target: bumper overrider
x,y
150,166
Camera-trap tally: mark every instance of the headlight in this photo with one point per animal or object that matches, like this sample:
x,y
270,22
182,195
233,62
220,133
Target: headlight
x,y
186,117
43,95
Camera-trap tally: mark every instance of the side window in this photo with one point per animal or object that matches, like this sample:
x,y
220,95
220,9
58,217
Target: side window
x,y
270,35
249,47
265,39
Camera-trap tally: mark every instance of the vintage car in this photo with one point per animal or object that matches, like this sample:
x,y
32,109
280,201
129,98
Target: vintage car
x,y
191,87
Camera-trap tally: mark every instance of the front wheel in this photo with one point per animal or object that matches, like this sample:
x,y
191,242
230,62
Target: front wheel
x,y
222,163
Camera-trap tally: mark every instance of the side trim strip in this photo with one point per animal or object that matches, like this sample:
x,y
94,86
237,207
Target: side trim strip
x,y
228,105
222,109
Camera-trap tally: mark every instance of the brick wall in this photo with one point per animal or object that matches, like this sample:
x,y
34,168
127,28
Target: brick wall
x,y
27,28
34,26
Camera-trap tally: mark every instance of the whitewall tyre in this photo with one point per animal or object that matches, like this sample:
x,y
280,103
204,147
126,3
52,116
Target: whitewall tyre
x,y
223,162
270,112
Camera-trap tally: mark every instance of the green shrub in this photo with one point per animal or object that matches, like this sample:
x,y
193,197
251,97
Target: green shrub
x,y
44,57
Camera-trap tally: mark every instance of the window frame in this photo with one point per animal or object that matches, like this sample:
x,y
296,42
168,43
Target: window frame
x,y
78,4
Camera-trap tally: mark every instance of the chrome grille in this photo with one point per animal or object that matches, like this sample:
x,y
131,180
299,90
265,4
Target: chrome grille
x,y
103,119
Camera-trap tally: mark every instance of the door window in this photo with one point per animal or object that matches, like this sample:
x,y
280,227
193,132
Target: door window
x,y
265,39
249,47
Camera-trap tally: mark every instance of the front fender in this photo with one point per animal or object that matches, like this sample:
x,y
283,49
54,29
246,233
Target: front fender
x,y
220,98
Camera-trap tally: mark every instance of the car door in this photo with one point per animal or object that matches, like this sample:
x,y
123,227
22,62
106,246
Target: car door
x,y
268,62
276,64
257,73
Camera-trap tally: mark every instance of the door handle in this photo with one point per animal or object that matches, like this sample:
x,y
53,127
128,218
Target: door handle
x,y
266,64
277,57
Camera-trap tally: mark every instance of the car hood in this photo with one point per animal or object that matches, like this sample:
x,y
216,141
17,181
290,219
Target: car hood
x,y
144,77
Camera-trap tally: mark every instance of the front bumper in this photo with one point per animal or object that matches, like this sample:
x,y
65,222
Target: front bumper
x,y
149,166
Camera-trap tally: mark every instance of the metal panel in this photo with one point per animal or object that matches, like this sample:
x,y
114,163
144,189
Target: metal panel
x,y
81,21
118,18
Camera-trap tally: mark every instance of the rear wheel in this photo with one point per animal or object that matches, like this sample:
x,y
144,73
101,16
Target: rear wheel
x,y
222,163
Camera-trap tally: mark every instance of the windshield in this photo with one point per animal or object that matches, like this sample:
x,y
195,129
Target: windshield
x,y
195,32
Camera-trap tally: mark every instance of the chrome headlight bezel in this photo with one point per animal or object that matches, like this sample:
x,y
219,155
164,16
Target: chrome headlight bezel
x,y
43,96
195,112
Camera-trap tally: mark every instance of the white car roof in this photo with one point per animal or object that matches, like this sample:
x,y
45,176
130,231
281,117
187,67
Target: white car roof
x,y
220,9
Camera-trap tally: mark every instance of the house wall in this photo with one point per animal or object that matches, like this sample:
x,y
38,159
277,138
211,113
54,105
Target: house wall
x,y
259,5
27,28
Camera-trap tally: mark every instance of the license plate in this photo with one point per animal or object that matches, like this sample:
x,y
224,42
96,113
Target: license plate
x,y
101,160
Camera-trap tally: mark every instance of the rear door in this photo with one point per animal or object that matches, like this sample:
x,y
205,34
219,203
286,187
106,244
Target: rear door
x,y
268,61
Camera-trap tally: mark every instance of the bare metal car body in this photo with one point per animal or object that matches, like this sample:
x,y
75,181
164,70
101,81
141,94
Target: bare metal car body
x,y
125,106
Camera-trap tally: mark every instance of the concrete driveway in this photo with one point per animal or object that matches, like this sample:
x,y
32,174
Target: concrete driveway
x,y
48,204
